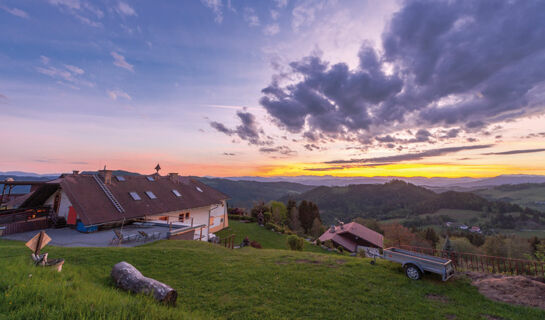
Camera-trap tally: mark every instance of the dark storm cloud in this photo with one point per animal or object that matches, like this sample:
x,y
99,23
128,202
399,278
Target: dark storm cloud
x,y
411,156
514,152
248,129
453,63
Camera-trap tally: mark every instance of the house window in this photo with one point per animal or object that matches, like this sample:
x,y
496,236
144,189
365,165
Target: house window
x,y
150,178
120,178
151,195
187,215
135,195
181,217
176,193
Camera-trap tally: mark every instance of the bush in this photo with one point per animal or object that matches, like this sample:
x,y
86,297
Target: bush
x,y
464,245
318,243
341,249
296,243
255,244
275,227
267,217
329,244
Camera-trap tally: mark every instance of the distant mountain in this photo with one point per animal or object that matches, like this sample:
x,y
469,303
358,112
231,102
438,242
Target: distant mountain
x,y
395,199
435,182
27,174
246,193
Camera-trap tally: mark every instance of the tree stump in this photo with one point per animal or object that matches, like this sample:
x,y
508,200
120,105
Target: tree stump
x,y
129,278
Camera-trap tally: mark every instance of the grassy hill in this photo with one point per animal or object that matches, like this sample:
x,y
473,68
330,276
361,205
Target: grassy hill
x,y
245,193
531,195
218,283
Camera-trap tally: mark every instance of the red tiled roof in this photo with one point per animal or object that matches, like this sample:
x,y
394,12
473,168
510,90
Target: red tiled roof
x,y
354,229
94,207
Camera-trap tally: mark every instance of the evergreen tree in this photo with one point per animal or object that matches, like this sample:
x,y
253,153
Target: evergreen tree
x,y
293,222
317,228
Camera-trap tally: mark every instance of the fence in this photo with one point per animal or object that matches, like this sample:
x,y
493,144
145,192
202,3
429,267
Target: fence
x,y
482,263
228,242
22,220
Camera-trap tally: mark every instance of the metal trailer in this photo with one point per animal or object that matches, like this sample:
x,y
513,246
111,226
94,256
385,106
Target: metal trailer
x,y
415,264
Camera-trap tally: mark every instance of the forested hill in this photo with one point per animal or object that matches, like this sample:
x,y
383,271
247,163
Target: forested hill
x,y
245,194
395,199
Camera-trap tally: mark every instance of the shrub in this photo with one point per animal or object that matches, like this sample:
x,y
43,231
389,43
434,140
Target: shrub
x,y
237,217
329,244
255,244
295,243
463,245
267,216
318,242
275,227
341,249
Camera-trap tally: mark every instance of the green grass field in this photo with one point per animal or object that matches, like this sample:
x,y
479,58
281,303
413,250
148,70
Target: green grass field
x,y
267,238
218,283
524,197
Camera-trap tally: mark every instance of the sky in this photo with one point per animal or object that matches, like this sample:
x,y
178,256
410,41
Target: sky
x,y
266,88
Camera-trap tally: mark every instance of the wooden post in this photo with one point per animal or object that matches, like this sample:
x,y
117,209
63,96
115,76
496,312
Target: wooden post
x,y
200,237
39,243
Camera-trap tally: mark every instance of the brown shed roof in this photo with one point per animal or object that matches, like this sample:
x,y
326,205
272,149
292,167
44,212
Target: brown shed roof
x,y
94,207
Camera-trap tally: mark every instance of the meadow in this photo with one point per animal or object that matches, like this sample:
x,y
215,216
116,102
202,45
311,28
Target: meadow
x,y
214,282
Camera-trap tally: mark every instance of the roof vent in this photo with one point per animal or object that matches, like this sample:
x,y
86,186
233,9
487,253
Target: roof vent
x,y
75,172
332,229
342,225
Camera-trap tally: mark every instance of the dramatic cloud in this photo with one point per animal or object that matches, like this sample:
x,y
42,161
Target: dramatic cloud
x,y
215,6
248,130
410,156
120,61
444,64
283,150
115,94
14,11
515,152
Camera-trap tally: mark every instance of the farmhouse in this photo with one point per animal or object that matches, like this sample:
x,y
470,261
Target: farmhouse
x,y
353,235
90,201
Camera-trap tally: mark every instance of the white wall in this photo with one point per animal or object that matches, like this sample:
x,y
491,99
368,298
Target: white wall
x,y
63,207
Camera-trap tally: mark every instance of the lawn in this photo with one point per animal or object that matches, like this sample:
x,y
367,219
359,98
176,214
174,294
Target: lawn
x,y
267,238
218,283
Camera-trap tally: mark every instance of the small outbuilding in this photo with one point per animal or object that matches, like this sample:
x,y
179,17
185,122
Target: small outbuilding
x,y
352,235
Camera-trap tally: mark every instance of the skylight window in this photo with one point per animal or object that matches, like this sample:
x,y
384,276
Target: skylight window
x,y
135,195
176,193
198,189
151,195
150,178
120,178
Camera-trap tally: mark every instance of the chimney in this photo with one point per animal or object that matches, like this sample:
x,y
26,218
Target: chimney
x,y
332,229
75,172
107,174
342,225
173,177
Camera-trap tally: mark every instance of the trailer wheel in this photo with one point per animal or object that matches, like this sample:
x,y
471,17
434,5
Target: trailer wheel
x,y
372,262
413,272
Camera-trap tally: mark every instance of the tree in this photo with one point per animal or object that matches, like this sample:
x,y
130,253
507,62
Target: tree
x,y
431,236
369,223
317,228
293,221
447,246
495,246
279,212
259,207
396,234
308,211
540,251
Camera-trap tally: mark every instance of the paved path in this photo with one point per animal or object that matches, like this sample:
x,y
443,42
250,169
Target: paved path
x,y
67,237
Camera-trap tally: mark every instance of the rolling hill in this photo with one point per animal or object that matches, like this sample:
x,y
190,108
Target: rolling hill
x,y
245,193
531,195
395,199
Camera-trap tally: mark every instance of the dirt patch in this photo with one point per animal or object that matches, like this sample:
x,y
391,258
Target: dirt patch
x,y
340,261
308,261
511,289
437,297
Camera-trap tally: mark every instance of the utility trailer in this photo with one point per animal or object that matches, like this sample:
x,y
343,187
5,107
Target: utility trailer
x,y
415,264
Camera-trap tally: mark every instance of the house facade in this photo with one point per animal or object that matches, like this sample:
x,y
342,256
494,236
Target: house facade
x,y
89,201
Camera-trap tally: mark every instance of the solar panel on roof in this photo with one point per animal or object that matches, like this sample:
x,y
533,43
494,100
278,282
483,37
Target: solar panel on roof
x,y
150,178
198,189
151,195
120,178
176,193
135,196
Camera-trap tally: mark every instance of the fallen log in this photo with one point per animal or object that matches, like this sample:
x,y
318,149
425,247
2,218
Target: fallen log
x,y
129,278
